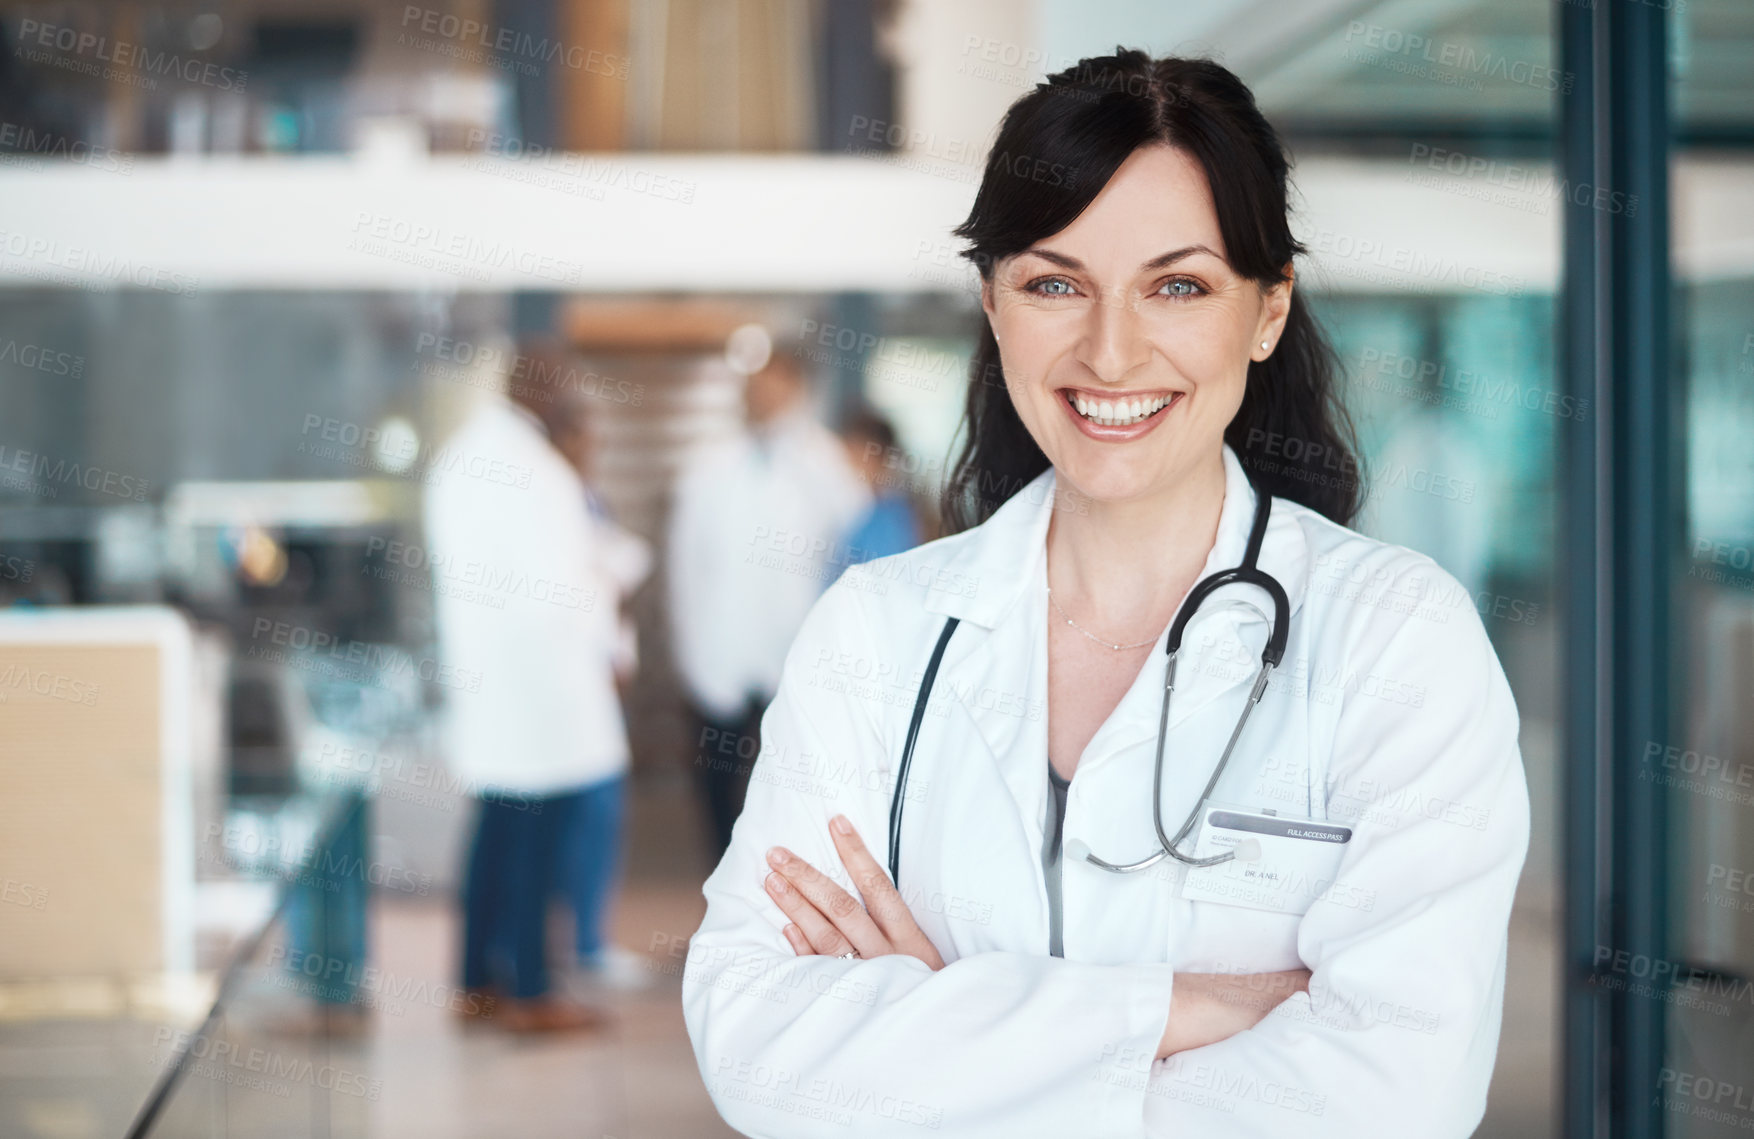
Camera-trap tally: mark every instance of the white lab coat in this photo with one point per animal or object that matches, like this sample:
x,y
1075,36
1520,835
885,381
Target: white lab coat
x,y
756,523
525,598
623,560
1390,714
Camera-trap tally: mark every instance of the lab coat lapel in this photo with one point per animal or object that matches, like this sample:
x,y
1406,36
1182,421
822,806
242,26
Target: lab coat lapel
x,y
1000,684
996,667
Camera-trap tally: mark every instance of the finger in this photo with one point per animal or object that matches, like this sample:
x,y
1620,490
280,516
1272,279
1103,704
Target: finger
x,y
820,935
882,900
846,912
804,918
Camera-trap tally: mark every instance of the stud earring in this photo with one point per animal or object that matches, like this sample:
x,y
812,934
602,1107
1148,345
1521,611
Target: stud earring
x,y
1263,345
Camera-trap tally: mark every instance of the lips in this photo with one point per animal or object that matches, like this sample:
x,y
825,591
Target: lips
x,y
1112,416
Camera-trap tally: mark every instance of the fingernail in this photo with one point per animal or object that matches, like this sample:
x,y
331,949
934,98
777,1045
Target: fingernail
x,y
776,883
777,856
841,825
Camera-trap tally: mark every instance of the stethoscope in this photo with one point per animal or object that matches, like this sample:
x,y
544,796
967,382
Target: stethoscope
x,y
1248,573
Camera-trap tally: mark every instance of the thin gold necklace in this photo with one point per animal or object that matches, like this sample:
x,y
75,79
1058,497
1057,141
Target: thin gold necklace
x,y
1093,636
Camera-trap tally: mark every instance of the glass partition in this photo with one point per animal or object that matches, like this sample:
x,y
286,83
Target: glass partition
x,y
1707,770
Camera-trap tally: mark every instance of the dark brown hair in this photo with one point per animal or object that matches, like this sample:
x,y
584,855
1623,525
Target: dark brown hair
x,y
1290,433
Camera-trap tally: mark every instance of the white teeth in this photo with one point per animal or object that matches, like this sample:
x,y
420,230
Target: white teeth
x,y
1119,413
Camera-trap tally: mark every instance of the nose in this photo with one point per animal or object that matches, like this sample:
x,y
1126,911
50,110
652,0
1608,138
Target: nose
x,y
1113,345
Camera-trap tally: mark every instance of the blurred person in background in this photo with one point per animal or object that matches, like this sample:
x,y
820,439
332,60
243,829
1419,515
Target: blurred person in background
x,y
752,522
892,523
591,854
534,718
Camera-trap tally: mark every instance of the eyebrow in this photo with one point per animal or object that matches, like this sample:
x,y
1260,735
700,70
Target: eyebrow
x,y
1161,261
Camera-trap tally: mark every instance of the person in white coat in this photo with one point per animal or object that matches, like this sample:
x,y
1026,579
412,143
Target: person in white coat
x,y
527,626
967,951
756,523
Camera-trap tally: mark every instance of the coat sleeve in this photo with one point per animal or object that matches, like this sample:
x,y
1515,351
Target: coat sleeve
x,y
1399,1030
995,1044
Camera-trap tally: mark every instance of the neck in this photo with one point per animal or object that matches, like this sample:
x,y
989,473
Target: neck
x,y
1123,567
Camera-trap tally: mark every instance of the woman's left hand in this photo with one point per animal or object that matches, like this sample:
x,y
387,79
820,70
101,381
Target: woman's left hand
x,y
828,920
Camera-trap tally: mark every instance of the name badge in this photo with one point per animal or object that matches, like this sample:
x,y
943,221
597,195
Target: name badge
x,y
1283,863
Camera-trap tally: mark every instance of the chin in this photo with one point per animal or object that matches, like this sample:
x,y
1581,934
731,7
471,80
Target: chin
x,y
1110,478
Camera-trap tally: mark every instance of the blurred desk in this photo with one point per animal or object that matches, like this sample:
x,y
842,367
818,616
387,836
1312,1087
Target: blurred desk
x,y
97,873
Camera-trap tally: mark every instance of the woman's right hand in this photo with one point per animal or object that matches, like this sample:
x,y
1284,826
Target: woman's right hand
x,y
1205,1008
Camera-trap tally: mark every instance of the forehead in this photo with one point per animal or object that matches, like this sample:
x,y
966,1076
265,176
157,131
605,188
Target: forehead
x,y
1157,201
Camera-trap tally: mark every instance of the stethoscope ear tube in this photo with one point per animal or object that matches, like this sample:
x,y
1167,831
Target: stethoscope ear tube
x,y
907,751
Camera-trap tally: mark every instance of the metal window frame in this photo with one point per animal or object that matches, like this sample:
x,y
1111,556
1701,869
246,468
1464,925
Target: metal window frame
x,y
1621,486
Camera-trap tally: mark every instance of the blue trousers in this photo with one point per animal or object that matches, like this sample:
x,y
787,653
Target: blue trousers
x,y
326,909
593,859
513,867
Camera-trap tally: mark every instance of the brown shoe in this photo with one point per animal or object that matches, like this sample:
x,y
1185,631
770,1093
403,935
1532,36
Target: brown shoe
x,y
547,1014
478,1006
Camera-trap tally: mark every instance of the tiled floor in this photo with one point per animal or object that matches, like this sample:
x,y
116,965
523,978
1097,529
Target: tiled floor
x,y
412,1069
637,1081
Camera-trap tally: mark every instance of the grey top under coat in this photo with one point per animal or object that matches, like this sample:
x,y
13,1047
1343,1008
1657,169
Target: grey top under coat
x,y
1050,858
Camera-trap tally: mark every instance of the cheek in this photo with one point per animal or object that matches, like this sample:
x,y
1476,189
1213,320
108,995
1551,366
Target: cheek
x,y
1027,334
1208,367
1029,395
1026,353
1208,350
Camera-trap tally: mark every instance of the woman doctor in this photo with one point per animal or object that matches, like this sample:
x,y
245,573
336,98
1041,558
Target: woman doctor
x,y
1146,376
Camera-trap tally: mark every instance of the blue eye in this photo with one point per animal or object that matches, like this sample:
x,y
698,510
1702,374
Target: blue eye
x,y
1180,287
1051,287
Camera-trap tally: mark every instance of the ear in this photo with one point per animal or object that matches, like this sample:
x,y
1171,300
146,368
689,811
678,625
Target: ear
x,y
1275,310
987,302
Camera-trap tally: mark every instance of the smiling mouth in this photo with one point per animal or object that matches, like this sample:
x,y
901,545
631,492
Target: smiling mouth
x,y
1123,412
